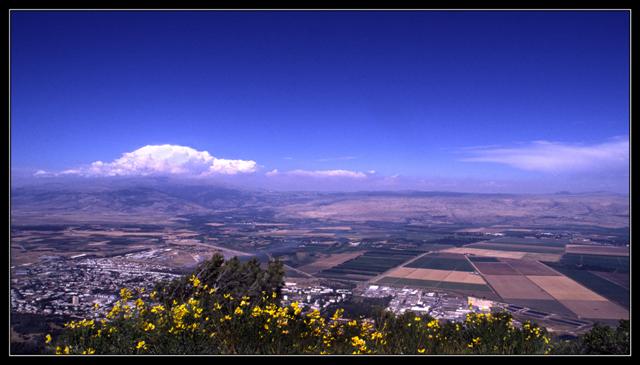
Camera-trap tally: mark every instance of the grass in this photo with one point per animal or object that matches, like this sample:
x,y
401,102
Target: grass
x,y
441,263
596,262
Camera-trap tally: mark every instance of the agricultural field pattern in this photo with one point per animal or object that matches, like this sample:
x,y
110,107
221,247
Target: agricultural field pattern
x,y
564,272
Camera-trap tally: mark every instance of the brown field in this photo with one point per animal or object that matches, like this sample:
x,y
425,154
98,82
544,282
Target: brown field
x,y
548,257
495,268
400,272
489,253
329,262
428,274
563,288
464,277
598,250
530,267
516,287
596,309
436,275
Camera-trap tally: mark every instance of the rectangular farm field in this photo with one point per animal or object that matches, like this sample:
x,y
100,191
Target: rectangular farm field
x,y
442,262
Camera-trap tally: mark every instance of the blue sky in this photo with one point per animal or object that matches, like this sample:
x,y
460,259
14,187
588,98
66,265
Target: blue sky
x,y
487,101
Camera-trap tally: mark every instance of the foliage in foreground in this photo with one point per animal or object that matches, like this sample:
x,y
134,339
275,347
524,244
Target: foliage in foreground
x,y
232,308
238,326
600,340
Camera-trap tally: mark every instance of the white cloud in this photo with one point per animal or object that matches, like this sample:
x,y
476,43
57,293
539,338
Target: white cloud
x,y
557,157
166,160
320,173
41,173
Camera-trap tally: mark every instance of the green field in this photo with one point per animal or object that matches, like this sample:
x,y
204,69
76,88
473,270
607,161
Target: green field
x,y
596,262
483,259
371,263
442,263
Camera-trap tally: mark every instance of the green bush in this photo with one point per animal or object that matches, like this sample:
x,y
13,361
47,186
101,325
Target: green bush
x,y
232,308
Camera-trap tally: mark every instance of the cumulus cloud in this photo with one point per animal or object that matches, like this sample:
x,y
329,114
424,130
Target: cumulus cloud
x,y
557,157
41,173
166,160
320,173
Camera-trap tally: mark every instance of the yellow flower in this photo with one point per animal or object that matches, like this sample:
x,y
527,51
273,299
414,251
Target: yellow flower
x,y
421,351
141,345
90,351
149,327
96,306
296,308
417,319
67,350
256,311
238,311
194,279
47,338
125,293
227,317
153,295
58,350
157,309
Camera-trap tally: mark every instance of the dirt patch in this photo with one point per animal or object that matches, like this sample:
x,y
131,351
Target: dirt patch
x,y
598,250
563,288
546,257
596,309
464,277
428,274
530,267
489,253
516,287
329,262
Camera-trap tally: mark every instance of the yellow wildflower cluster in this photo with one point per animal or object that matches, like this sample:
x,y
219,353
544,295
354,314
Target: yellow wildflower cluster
x,y
221,324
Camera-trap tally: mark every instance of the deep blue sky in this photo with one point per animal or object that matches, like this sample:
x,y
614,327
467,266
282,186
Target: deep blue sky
x,y
396,92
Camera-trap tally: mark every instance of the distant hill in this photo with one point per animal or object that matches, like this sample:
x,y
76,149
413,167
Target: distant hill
x,y
157,200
